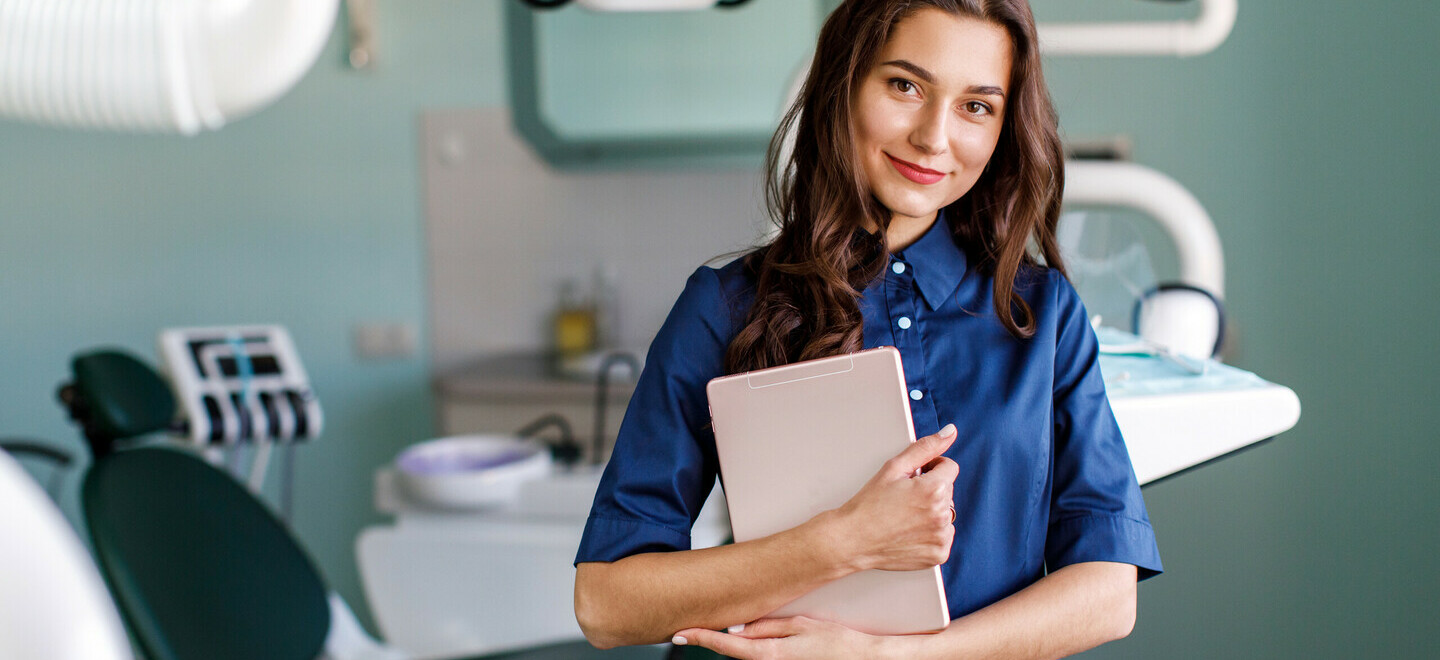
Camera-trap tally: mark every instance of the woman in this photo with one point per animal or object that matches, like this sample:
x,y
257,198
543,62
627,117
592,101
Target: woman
x,y
926,165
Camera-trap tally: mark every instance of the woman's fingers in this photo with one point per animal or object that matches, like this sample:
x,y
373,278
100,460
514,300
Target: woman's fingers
x,y
769,628
942,469
920,453
734,646
751,642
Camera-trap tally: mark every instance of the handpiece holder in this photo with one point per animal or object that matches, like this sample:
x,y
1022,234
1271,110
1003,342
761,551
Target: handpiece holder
x,y
240,384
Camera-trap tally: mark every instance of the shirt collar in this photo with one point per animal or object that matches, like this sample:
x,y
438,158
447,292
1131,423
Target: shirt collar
x,y
939,264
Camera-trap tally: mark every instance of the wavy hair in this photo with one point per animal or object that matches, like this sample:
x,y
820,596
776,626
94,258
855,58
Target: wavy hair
x,y
809,279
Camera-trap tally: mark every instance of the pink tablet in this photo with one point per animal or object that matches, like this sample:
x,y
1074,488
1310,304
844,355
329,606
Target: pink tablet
x,y
800,439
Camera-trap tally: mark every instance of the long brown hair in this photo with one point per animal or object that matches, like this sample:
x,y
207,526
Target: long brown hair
x,y
810,278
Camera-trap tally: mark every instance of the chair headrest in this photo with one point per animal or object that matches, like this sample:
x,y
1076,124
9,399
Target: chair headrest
x,y
117,396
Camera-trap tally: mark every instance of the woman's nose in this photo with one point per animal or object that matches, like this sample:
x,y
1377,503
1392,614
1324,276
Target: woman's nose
x,y
929,132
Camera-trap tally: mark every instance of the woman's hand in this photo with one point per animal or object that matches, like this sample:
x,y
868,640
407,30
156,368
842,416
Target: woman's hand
x,y
795,637
899,521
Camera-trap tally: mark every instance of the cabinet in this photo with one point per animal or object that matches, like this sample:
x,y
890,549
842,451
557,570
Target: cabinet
x,y
656,88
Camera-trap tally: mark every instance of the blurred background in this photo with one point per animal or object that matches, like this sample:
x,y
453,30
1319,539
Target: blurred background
x,y
421,199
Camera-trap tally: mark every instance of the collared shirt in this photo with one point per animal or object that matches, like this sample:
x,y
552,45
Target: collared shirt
x,y
1045,479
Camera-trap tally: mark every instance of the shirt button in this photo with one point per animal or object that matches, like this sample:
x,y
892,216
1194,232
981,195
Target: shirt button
x,y
916,395
898,267
904,323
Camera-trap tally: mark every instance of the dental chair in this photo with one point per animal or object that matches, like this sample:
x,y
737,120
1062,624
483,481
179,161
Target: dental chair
x,y
199,568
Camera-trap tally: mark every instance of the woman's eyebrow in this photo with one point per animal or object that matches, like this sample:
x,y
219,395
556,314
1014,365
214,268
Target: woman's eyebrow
x,y
986,90
923,74
914,69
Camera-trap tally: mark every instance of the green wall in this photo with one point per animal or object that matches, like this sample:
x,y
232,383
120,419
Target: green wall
x,y
306,214
1309,136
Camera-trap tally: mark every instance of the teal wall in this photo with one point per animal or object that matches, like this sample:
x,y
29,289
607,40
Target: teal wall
x,y
1309,136
307,214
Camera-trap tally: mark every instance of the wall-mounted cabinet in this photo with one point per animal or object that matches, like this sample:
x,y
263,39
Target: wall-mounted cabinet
x,y
655,89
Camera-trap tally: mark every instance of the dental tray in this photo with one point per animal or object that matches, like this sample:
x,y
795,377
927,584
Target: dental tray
x,y
1176,417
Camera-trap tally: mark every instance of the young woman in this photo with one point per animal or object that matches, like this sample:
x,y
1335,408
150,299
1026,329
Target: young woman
x,y
917,210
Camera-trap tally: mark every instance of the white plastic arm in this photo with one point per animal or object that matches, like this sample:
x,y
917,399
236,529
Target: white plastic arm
x,y
1202,261
175,66
1179,38
347,640
53,602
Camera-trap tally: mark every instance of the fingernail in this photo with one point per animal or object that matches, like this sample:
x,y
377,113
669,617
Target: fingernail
x,y
947,431
679,641
736,629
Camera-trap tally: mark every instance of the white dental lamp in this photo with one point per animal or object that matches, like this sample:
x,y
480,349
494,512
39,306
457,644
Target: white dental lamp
x,y
158,66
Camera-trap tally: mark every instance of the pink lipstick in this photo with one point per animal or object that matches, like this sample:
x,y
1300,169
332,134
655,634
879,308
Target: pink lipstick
x,y
914,172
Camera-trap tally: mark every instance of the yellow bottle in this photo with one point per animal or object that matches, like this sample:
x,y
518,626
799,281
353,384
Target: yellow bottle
x,y
575,325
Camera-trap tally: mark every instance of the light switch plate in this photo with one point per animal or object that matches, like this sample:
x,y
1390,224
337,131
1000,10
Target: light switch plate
x,y
385,340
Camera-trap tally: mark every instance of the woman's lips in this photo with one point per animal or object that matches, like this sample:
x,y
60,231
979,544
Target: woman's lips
x,y
914,172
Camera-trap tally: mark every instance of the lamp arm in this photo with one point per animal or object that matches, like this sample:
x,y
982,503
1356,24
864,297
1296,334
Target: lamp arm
x,y
1178,38
1202,260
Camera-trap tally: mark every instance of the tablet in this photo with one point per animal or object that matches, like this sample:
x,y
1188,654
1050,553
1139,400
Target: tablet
x,y
803,438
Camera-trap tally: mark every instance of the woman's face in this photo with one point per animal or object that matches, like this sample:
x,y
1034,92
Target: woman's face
x,y
929,113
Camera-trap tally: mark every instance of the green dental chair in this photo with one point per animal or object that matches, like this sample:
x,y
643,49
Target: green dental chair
x,y
198,567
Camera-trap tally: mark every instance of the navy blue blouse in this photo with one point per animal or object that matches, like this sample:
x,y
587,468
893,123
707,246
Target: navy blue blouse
x,y
1045,480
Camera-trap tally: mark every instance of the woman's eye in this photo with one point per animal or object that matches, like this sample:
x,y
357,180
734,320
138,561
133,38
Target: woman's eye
x,y
976,108
902,85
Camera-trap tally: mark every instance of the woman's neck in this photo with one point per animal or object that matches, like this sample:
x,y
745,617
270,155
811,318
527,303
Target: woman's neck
x,y
904,231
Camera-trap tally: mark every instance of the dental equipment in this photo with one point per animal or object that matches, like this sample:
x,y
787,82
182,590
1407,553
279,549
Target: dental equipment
x,y
470,472
239,384
1140,347
167,66
1184,317
1179,214
243,386
53,602
1174,38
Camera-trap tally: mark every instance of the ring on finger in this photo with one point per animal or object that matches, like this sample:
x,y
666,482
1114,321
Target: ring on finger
x,y
952,514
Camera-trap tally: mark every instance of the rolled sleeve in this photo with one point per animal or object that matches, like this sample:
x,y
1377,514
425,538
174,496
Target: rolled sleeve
x,y
1096,513
664,464
1103,538
611,539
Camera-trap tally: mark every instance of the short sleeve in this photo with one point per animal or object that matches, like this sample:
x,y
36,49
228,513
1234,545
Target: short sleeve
x,y
1096,512
664,464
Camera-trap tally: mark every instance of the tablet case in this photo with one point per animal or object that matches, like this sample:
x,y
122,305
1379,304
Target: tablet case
x,y
800,439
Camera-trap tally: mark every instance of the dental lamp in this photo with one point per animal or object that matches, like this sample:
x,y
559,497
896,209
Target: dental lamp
x,y
1175,38
1186,316
158,66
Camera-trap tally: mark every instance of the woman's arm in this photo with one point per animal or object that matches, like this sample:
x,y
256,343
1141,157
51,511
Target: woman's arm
x,y
1078,607
894,522
644,599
